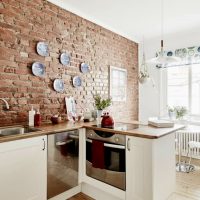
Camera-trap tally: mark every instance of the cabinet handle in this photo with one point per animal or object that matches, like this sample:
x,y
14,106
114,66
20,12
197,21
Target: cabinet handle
x,y
44,145
128,144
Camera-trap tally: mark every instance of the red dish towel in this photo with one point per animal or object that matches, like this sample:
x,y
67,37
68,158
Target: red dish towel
x,y
98,160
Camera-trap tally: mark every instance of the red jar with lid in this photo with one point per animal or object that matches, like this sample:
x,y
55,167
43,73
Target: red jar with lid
x,y
37,119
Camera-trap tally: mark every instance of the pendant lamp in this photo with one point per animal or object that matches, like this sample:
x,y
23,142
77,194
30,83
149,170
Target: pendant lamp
x,y
162,60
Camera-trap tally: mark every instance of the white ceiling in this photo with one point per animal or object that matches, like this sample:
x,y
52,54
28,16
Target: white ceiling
x,y
136,18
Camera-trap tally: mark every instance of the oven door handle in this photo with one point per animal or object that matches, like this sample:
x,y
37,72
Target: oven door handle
x,y
61,143
74,137
110,145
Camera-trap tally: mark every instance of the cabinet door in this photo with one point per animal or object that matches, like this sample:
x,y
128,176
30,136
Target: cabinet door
x,y
23,169
138,169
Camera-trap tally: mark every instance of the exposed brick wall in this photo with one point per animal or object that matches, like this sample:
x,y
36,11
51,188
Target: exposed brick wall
x,y
25,22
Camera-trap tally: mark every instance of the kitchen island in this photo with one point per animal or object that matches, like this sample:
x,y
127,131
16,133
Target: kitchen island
x,y
150,160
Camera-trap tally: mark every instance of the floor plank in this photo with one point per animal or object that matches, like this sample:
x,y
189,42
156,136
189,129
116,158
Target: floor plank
x,y
80,196
188,184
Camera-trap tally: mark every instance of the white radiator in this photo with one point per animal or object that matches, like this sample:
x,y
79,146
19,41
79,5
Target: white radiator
x,y
183,137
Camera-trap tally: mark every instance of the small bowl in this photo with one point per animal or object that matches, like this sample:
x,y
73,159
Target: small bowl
x,y
55,120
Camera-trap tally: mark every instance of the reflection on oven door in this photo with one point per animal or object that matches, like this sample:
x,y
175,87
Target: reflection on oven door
x,y
114,172
116,179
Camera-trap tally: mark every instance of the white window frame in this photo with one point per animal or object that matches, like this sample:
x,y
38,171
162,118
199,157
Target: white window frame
x,y
189,90
112,68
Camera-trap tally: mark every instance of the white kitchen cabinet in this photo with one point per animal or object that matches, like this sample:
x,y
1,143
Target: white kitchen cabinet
x,y
23,169
150,168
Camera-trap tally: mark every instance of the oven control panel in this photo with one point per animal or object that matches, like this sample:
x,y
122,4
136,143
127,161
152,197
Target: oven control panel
x,y
106,136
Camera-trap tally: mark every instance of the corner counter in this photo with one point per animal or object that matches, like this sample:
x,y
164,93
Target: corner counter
x,y
150,157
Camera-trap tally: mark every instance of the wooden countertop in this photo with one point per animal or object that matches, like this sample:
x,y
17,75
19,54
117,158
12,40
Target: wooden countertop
x,y
143,131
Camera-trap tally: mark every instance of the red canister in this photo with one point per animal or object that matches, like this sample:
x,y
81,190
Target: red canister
x,y
37,119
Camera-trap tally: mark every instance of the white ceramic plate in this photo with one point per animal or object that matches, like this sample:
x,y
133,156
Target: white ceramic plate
x,y
42,49
58,85
85,68
65,59
77,82
38,69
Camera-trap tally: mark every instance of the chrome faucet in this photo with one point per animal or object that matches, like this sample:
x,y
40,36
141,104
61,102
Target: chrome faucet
x,y
7,105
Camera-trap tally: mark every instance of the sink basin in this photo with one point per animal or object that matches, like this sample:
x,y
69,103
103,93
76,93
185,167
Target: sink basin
x,y
6,131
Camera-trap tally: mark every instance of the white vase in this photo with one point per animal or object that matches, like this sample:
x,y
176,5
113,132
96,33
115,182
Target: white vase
x,y
172,115
99,114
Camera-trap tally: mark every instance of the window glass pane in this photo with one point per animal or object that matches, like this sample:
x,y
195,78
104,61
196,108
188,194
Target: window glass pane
x,y
195,99
178,86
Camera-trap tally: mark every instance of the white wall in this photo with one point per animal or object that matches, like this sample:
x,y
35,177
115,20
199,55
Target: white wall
x,y
152,101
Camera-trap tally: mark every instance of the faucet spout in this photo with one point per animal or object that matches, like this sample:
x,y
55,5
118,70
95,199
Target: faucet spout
x,y
7,105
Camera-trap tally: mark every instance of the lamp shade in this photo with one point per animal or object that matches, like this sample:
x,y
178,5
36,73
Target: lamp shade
x,y
163,60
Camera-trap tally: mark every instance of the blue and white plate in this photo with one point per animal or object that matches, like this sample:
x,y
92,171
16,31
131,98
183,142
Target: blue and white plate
x,y
169,53
58,85
191,51
42,49
65,59
85,68
38,69
77,82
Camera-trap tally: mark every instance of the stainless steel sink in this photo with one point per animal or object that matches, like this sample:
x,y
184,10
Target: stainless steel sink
x,y
6,131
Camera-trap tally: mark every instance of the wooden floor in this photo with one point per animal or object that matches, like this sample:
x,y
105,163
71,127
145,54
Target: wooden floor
x,y
187,186
81,196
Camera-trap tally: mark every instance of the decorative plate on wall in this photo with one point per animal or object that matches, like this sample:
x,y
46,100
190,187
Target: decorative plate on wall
x,y
38,69
65,58
77,82
58,85
191,51
42,49
169,53
84,67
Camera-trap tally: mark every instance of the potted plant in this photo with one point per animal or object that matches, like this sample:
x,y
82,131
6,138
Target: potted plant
x,y
180,111
143,76
101,104
171,113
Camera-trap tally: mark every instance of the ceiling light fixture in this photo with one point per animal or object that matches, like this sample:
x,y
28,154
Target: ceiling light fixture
x,y
162,60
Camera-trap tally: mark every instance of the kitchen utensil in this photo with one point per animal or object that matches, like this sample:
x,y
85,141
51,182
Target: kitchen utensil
x,y
107,121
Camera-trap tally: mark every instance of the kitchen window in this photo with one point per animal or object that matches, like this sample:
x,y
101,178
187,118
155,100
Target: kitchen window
x,y
118,83
183,87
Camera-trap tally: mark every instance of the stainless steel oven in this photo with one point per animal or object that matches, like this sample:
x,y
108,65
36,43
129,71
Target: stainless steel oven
x,y
106,157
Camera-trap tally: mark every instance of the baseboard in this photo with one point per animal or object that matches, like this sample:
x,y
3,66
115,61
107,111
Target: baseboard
x,y
97,194
67,194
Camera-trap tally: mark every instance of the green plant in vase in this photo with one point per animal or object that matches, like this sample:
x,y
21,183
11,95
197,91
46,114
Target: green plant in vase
x,y
101,104
180,111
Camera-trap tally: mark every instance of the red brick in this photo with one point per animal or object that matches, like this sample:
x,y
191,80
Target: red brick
x,y
22,89
23,83
22,101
